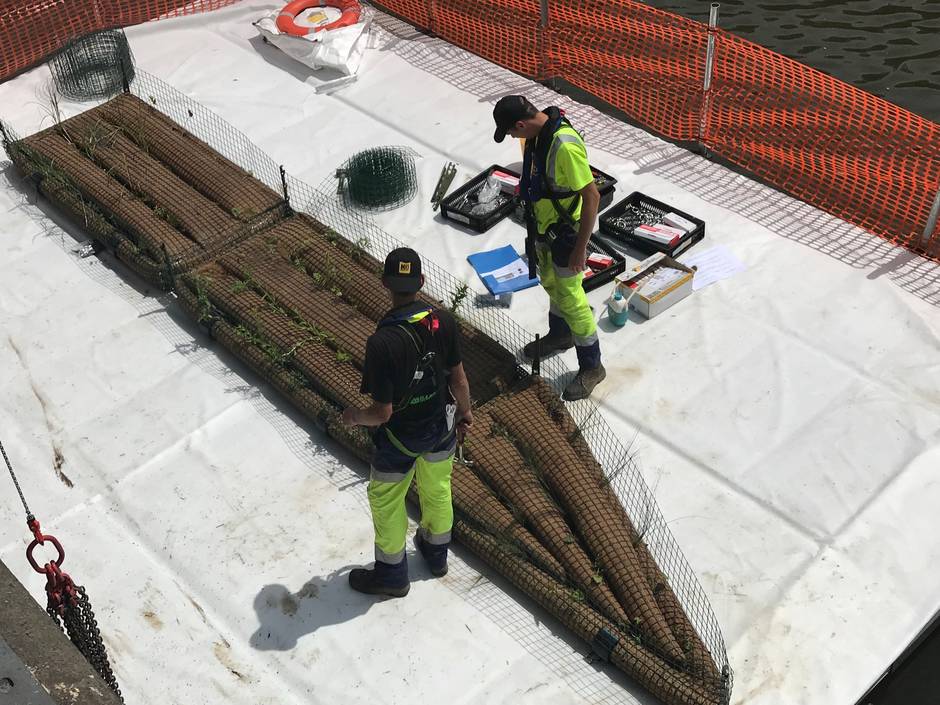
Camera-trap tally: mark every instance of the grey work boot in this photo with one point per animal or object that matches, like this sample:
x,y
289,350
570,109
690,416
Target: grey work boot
x,y
549,345
583,383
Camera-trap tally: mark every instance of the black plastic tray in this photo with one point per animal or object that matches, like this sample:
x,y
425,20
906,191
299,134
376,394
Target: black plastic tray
x,y
655,210
607,190
462,214
602,276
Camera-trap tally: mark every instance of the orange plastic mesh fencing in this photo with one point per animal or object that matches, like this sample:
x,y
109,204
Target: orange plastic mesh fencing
x,y
646,62
31,30
831,144
835,146
509,26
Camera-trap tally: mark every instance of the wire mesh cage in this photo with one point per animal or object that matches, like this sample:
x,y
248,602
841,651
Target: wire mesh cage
x,y
379,179
94,66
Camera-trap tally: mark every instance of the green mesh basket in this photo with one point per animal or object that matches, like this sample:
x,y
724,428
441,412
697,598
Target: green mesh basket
x,y
94,66
377,179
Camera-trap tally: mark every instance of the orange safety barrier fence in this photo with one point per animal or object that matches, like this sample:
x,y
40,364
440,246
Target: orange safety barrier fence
x,y
834,146
31,30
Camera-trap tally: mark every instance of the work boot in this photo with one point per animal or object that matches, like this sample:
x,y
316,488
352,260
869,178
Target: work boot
x,y
384,579
434,556
583,383
549,345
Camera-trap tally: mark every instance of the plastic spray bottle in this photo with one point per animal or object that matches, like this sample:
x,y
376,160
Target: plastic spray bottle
x,y
618,309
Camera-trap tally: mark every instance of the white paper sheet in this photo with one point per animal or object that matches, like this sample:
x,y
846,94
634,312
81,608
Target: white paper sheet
x,y
518,268
713,265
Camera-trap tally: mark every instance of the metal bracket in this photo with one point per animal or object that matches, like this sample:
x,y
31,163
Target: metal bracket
x,y
335,84
86,249
443,184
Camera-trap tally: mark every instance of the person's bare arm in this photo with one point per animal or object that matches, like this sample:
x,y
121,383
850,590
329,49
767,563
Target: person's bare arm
x,y
590,200
374,415
460,388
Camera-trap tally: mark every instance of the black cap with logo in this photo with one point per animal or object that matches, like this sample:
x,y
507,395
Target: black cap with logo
x,y
509,110
402,273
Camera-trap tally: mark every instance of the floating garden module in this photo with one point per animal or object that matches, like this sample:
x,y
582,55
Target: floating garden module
x,y
296,300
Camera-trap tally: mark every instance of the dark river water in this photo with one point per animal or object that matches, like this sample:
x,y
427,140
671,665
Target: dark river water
x,y
889,49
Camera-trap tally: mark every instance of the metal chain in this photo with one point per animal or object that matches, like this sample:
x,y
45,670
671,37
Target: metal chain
x,y
79,619
82,628
29,514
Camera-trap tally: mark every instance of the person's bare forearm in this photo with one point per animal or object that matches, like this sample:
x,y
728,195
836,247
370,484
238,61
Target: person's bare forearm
x,y
460,388
590,200
461,392
374,415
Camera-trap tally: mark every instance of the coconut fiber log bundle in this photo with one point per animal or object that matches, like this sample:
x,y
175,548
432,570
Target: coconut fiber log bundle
x,y
335,262
325,414
148,230
583,495
260,265
195,162
325,256
498,462
481,507
301,348
660,678
54,157
269,341
490,368
59,188
196,217
697,658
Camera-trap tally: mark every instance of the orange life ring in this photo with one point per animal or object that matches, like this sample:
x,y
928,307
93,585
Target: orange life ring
x,y
350,10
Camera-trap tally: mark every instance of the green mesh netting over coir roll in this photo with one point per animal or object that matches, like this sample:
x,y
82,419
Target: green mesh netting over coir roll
x,y
381,178
94,66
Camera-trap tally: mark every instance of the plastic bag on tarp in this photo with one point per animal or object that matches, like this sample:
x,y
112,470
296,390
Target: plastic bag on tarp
x,y
487,197
339,49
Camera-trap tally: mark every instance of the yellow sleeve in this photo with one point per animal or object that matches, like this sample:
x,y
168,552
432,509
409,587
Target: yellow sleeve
x,y
571,166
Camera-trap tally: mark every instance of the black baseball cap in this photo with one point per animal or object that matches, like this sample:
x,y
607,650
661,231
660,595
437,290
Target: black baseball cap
x,y
509,110
402,273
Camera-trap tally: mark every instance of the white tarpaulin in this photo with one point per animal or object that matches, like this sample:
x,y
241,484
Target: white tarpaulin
x,y
787,419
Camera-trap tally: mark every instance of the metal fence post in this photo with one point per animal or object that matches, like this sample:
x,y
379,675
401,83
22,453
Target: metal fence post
x,y
543,28
709,64
931,221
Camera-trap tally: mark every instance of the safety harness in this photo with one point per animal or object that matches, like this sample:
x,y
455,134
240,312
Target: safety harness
x,y
419,328
534,184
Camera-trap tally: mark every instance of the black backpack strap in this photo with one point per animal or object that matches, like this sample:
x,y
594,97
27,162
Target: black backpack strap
x,y
427,359
565,214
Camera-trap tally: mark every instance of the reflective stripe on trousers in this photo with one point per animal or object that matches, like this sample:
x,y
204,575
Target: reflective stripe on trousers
x,y
567,297
387,493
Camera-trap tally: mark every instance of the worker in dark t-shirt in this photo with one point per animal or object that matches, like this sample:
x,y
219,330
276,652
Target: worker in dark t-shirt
x,y
421,408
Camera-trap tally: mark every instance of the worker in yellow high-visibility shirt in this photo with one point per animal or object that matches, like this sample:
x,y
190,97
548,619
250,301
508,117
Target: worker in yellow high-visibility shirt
x,y
561,208
421,408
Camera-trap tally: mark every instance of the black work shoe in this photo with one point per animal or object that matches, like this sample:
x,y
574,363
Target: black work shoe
x,y
549,345
374,582
583,383
434,556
